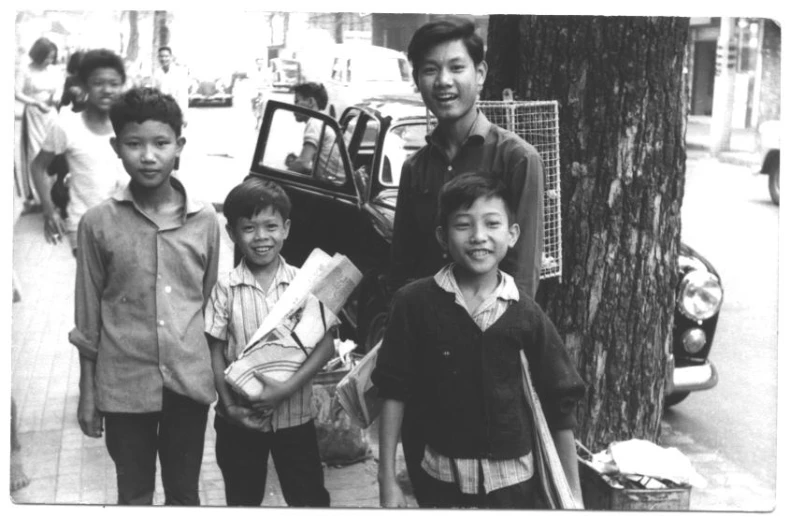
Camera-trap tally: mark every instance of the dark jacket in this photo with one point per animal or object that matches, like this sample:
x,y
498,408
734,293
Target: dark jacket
x,y
466,384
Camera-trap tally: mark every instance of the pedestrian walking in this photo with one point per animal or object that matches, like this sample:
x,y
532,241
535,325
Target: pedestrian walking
x,y
146,262
173,79
37,87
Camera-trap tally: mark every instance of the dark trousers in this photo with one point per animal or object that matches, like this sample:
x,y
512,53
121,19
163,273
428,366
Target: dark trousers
x,y
176,433
243,456
444,495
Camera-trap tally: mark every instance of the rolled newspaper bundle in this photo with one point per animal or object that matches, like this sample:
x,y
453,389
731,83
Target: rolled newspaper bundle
x,y
303,314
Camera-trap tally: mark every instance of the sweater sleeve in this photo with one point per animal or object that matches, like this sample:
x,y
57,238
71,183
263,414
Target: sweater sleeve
x,y
395,371
556,379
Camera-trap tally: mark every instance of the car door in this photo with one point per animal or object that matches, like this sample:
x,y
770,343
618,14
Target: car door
x,y
326,208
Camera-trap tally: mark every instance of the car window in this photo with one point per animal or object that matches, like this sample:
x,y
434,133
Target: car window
x,y
361,153
293,137
401,141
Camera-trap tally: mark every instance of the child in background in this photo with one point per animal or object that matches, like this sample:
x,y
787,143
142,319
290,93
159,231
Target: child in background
x,y
146,262
95,172
280,420
451,353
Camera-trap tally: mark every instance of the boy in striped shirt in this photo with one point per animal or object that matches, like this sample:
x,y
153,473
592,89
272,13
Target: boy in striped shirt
x,y
280,420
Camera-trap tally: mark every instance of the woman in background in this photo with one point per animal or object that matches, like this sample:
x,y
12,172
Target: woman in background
x,y
37,87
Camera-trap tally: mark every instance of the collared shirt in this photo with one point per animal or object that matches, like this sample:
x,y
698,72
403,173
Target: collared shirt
x,y
236,309
489,149
139,301
467,473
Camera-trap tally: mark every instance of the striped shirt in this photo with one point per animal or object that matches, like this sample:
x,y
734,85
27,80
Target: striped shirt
x,y
473,474
236,310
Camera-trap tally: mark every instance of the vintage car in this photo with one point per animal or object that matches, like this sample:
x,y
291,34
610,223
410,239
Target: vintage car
x,y
211,91
352,213
769,134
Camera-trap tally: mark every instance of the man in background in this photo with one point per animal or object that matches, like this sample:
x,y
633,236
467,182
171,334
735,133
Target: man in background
x,y
172,79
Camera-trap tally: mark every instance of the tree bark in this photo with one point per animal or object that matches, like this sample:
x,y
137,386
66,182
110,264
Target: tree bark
x,y
619,84
133,48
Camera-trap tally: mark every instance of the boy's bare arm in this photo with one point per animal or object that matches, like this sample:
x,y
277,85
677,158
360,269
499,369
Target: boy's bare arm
x,y
54,227
565,442
390,420
87,414
239,414
275,391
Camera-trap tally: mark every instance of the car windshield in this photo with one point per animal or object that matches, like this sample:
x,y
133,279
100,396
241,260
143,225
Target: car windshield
x,y
401,142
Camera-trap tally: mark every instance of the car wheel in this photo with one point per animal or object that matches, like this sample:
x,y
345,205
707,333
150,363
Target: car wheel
x,y
675,398
773,182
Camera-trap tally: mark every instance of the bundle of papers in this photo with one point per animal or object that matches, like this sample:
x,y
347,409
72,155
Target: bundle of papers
x,y
301,317
357,394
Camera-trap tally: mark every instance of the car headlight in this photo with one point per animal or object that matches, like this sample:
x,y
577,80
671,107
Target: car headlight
x,y
700,295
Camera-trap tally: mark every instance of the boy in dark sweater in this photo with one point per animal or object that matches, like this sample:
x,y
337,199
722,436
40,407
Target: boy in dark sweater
x,y
450,357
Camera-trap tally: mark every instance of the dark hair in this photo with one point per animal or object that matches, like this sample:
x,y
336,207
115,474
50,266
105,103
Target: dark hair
x,y
464,189
100,58
165,47
440,31
252,196
144,104
73,64
314,90
41,49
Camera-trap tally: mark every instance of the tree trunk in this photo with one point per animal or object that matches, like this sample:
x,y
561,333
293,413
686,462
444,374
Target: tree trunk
x,y
619,84
133,48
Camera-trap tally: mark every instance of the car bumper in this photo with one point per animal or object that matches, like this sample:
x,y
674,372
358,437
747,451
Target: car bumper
x,y
215,99
690,378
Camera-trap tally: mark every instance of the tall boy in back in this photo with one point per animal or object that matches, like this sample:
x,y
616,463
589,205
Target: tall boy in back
x,y
449,70
280,420
146,262
451,353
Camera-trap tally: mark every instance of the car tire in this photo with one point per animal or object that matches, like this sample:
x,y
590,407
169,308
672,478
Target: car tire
x,y
773,181
675,398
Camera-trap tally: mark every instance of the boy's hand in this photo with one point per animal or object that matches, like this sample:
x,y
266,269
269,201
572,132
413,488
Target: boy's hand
x,y
89,417
244,416
391,495
54,228
274,392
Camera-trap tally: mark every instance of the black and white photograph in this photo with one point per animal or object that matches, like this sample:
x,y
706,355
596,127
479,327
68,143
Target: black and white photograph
x,y
417,256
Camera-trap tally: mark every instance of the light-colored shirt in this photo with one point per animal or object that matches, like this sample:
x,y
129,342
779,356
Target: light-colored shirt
x,y
95,171
174,82
139,300
328,163
236,309
466,473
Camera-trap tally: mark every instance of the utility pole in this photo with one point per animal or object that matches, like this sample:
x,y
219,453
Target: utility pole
x,y
723,88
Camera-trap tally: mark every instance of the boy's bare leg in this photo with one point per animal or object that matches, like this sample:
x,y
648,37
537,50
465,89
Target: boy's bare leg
x,y
18,477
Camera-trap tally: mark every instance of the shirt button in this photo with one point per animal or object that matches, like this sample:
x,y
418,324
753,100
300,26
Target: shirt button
x,y
168,289
445,353
161,323
449,168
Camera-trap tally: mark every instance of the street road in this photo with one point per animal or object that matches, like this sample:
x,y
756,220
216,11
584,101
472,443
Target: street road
x,y
728,217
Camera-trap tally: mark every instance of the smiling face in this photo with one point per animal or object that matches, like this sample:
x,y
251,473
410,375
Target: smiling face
x,y
148,152
449,81
260,238
478,237
103,87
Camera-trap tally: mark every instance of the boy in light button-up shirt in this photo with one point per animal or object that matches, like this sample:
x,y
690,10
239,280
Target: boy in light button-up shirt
x,y
146,262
